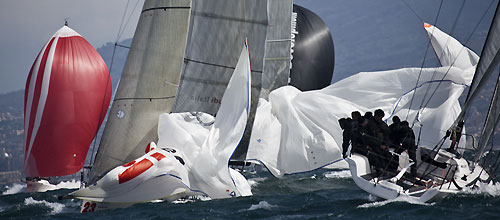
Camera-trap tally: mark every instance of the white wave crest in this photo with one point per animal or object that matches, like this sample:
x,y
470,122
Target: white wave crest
x,y
342,174
262,205
15,188
56,207
398,199
254,181
73,184
191,199
492,189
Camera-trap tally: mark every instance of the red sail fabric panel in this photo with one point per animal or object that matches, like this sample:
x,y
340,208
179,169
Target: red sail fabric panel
x,y
67,94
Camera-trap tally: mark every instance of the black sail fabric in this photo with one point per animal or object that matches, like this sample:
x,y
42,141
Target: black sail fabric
x,y
313,52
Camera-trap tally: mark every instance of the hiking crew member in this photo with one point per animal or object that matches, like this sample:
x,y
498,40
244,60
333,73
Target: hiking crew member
x,y
407,142
345,124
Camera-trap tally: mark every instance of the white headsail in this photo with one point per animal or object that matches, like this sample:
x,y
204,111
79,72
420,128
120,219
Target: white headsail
x,y
207,163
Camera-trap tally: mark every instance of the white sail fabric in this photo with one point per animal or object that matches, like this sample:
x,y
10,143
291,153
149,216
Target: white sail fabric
x,y
310,134
450,51
207,161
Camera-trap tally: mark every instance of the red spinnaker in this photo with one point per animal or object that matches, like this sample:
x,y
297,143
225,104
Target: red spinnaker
x,y
68,91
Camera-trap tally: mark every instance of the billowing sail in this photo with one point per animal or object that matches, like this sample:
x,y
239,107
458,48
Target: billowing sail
x,y
299,131
216,31
67,93
204,147
450,51
148,84
313,52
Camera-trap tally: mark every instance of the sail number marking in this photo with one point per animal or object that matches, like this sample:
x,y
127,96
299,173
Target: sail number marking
x,y
89,207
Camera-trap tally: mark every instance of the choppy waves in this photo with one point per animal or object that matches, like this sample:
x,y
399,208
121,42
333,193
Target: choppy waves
x,y
14,188
491,189
54,206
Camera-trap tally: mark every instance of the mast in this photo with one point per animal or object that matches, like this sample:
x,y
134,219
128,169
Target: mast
x,y
148,84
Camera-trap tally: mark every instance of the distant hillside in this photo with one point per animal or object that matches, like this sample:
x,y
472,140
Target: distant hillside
x,y
106,52
368,36
11,130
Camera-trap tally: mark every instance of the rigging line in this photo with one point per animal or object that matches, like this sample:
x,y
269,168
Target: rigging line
x,y
422,66
411,9
121,23
128,20
442,52
92,157
433,74
468,39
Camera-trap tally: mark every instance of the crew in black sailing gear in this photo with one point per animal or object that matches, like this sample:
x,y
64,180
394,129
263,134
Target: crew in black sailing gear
x,y
358,132
456,134
345,124
386,160
407,142
394,128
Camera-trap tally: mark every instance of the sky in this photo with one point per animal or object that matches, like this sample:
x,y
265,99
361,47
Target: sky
x,y
368,35
26,25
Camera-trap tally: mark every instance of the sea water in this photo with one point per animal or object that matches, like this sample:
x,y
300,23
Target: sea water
x,y
322,194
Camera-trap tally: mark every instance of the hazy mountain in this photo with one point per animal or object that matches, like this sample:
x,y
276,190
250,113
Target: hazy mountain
x,y
368,36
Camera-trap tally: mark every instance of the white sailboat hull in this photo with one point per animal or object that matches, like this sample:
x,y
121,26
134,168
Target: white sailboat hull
x,y
394,187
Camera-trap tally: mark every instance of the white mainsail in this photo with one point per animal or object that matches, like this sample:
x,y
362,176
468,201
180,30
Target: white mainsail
x,y
310,134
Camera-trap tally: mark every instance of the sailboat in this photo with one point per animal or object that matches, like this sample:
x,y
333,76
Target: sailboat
x,y
178,166
67,94
442,171
178,64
